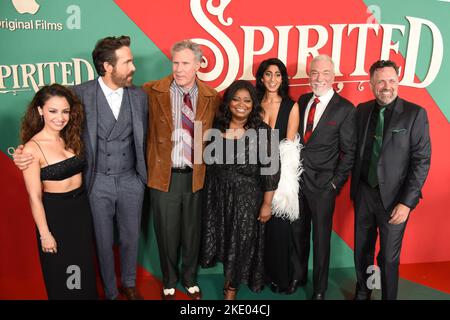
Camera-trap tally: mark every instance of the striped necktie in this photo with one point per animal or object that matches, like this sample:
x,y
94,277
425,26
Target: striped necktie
x,y
310,121
187,121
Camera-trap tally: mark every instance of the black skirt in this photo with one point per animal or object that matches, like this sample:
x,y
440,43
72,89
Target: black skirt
x,y
70,273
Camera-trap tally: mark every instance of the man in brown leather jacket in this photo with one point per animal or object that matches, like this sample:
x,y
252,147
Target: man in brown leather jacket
x,y
177,104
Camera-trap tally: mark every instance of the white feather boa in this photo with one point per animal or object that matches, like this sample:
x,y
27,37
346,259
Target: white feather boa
x,y
285,201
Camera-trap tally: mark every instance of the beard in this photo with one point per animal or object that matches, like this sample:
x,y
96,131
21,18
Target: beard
x,y
321,88
385,99
122,81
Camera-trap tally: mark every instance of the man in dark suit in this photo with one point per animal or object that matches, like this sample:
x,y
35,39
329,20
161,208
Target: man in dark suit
x,y
327,130
114,138
392,163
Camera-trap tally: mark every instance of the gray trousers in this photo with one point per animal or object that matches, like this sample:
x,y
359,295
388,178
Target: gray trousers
x,y
119,196
177,221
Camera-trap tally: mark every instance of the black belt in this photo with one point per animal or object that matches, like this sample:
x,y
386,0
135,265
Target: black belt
x,y
182,170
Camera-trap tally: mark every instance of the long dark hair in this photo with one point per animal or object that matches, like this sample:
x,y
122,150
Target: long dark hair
x,y
283,90
32,122
254,118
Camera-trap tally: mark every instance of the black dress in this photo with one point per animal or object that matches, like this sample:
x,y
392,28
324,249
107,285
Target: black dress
x,y
70,273
231,233
281,252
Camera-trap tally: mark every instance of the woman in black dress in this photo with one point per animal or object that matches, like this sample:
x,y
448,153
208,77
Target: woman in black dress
x,y
238,191
51,131
281,113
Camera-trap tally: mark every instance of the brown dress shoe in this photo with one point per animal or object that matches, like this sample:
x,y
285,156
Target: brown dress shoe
x,y
131,293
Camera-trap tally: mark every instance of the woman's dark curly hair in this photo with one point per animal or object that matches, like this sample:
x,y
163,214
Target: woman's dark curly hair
x,y
32,122
283,90
254,119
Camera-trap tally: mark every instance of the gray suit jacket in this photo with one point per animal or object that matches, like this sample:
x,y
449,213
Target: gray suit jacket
x,y
87,93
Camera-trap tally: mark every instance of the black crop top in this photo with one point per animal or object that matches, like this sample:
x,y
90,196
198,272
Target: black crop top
x,y
61,170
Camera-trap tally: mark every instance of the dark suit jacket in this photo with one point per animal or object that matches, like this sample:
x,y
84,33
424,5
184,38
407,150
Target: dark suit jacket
x,y
329,154
405,153
87,93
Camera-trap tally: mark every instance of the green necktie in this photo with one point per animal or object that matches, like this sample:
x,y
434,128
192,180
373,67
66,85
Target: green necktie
x,y
372,177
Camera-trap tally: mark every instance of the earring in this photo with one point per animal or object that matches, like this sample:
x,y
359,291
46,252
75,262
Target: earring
x,y
42,118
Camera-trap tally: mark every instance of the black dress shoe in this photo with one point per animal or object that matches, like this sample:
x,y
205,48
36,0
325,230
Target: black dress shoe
x,y
360,296
131,293
276,289
294,285
318,296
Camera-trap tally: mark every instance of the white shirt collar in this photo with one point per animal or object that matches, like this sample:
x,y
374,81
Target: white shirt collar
x,y
107,90
325,98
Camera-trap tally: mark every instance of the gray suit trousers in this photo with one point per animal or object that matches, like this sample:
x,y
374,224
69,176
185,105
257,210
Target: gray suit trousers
x,y
118,196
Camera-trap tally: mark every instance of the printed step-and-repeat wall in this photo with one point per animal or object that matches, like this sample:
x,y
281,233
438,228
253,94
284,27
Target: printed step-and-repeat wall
x,y
44,41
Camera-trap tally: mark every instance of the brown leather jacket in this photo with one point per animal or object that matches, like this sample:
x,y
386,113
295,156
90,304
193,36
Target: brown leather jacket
x,y
160,127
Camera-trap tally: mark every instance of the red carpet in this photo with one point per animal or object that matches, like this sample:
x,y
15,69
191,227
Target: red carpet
x,y
435,275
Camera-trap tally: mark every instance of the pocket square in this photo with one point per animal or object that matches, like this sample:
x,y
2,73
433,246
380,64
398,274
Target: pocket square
x,y
398,130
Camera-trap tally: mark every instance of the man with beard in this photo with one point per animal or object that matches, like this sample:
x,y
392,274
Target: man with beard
x,y
114,139
327,130
391,165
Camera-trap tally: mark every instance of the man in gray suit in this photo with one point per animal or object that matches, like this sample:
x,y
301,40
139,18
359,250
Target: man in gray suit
x,y
115,176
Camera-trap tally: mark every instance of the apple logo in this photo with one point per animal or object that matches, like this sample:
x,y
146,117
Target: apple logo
x,y
25,6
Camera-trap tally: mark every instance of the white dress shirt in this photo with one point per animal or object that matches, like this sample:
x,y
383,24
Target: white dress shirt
x,y
114,97
320,108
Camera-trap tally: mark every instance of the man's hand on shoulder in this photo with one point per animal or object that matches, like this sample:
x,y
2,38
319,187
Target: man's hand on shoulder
x,y
22,159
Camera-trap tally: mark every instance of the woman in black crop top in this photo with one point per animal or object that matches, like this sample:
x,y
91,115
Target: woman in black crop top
x,y
51,131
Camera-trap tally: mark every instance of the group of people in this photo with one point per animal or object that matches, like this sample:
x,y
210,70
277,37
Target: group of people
x,y
90,150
